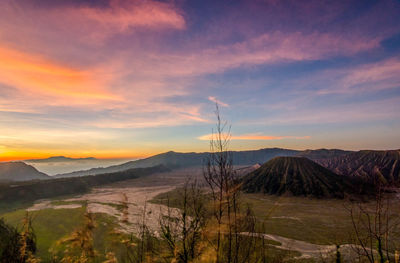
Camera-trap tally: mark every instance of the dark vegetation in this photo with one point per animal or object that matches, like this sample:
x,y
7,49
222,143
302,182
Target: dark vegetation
x,y
17,245
376,228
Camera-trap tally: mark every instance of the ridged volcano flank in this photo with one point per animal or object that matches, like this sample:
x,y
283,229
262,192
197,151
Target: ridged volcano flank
x,y
369,165
296,176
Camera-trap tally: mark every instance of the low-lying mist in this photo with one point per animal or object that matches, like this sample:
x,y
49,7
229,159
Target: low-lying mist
x,y
53,168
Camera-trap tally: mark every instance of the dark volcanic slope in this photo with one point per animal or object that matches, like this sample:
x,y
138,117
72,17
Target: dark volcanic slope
x,y
175,159
367,164
296,176
19,171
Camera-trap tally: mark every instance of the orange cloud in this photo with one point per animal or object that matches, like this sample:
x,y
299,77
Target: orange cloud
x,y
208,137
31,72
14,155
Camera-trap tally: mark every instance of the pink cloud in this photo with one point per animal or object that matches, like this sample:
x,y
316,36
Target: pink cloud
x,y
40,81
88,23
374,76
123,16
370,77
272,48
215,100
138,81
150,114
139,75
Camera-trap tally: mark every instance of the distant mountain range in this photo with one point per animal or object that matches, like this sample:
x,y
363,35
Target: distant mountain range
x,y
297,176
57,159
364,164
175,159
19,171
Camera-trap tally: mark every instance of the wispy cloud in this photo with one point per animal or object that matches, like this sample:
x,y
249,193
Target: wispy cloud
x,y
215,100
266,49
369,77
125,15
91,23
362,112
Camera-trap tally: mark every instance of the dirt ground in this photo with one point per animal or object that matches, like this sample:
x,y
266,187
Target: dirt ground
x,y
135,193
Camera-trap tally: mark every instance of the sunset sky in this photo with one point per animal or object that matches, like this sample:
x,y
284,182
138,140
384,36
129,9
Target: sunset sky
x,y
128,79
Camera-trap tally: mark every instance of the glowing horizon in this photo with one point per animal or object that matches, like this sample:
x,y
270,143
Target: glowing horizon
x,y
123,79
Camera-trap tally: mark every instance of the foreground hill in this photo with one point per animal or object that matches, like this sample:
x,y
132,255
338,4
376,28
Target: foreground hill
x,y
369,165
297,176
19,171
175,159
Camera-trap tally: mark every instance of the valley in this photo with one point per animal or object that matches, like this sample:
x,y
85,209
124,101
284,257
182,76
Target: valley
x,y
300,208
297,228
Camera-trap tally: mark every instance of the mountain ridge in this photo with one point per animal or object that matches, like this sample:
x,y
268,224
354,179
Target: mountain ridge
x,y
20,171
361,164
383,166
177,159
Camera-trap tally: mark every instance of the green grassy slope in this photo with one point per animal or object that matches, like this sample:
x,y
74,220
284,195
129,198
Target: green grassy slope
x,y
50,225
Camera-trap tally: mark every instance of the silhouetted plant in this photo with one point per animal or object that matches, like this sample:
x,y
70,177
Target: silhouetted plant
x,y
230,243
18,246
375,229
182,233
79,245
338,256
